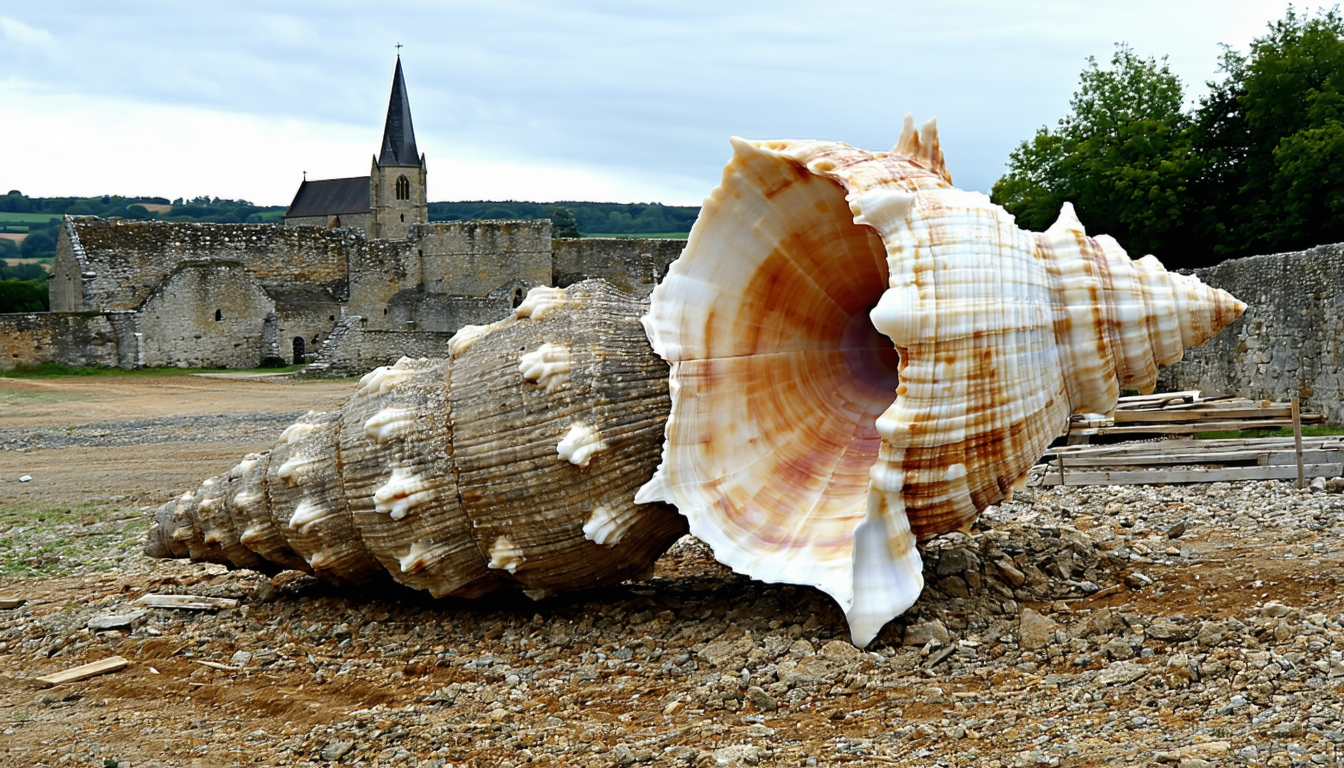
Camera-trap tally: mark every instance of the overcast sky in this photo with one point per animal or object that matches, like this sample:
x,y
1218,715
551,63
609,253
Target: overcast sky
x,y
609,101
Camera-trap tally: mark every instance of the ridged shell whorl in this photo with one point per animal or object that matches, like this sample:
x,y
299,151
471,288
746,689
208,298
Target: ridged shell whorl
x,y
823,282
513,463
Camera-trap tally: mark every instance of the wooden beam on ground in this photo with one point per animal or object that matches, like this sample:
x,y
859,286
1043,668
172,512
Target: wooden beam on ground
x,y
1272,412
188,602
1178,429
1175,476
111,664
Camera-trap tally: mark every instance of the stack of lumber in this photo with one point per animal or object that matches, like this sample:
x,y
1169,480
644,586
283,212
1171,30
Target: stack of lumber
x,y
1186,460
1184,413
1193,461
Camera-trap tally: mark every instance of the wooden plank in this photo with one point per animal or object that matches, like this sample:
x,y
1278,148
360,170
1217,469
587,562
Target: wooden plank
x,y
1225,457
1297,442
1173,476
188,602
1309,456
1158,397
1275,412
1178,429
11,602
1192,445
110,664
1272,458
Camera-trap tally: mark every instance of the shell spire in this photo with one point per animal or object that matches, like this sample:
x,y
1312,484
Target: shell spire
x,y
513,463
864,356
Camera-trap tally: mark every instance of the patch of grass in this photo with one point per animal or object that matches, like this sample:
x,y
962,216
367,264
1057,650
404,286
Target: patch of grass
x,y
1320,430
651,235
60,370
27,218
62,540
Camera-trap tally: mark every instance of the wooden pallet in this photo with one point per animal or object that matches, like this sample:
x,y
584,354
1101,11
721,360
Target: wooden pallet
x,y
1185,460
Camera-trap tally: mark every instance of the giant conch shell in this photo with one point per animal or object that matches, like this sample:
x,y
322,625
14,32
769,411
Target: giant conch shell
x,y
513,463
862,356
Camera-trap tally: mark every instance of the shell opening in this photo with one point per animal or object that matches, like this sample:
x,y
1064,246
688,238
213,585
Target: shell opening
x,y
767,315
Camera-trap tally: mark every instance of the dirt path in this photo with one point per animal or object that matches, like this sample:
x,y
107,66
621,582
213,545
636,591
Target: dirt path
x,y
158,459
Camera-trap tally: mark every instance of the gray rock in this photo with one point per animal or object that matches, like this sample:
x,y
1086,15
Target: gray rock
x,y
758,698
1121,672
335,750
1274,610
1176,531
1118,649
127,620
1169,631
921,634
738,754
1317,484
1034,630
1210,633
240,658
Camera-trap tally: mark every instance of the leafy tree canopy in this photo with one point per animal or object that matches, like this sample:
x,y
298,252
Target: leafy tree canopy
x,y
1252,169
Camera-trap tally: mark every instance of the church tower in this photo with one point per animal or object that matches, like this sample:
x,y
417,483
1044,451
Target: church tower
x,y
397,180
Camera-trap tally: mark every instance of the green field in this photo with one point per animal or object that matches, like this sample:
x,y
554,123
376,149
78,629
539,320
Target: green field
x,y
653,235
27,218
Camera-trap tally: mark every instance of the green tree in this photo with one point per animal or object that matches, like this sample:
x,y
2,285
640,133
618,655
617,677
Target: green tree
x,y
1122,156
38,244
23,296
1281,112
563,223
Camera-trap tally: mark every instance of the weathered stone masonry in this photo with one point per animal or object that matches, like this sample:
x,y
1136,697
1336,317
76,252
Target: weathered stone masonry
x,y
1290,341
233,295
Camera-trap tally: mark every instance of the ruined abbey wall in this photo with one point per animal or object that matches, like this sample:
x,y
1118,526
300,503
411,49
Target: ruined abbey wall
x,y
233,295
631,264
1290,341
116,264
73,338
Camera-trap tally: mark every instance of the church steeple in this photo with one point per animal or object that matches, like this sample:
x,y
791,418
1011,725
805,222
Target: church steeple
x,y
397,178
398,134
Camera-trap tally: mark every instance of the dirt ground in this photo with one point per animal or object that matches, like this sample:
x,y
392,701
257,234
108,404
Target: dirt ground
x,y
1076,627
139,474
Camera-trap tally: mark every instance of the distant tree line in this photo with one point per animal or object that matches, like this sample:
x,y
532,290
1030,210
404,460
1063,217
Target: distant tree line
x,y
203,208
1254,168
589,218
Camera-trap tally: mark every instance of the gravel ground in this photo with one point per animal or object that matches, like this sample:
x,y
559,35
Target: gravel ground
x,y
217,427
1184,626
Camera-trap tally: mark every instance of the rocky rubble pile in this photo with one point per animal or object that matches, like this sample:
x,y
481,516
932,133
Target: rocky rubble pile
x,y
1193,626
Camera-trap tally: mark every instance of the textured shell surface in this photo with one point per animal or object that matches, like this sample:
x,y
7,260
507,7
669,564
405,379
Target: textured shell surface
x,y
514,463
863,356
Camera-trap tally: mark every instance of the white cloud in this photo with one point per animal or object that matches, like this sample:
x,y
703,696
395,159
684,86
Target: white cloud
x,y
527,99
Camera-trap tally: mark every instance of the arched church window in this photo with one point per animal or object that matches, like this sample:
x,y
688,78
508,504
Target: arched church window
x,y
403,188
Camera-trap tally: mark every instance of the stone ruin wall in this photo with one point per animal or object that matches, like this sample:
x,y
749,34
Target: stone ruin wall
x,y
116,264
631,264
1290,341
147,293
73,338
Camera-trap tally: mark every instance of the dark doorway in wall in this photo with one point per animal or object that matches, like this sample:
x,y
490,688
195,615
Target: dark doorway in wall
x,y
219,315
299,350
517,297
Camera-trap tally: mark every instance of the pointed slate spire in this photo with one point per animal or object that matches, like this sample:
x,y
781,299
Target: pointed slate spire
x,y
398,134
